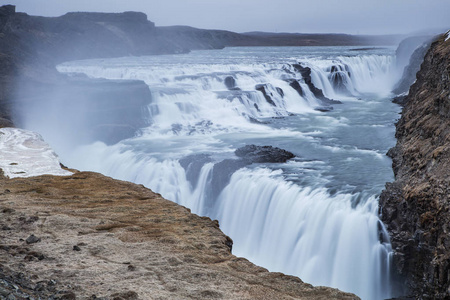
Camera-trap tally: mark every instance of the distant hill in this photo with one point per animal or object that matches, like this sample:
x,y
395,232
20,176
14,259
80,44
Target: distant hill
x,y
321,39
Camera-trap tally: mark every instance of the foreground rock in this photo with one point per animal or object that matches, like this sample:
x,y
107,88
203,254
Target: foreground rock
x,y
99,237
416,207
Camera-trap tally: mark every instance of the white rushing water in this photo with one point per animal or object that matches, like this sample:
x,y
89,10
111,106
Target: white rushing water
x,y
315,216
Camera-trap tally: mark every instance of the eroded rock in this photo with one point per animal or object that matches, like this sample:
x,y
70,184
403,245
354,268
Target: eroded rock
x,y
416,207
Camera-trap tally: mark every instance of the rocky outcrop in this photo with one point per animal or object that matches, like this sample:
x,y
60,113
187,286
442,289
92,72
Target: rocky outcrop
x,y
87,236
416,207
318,93
263,154
338,78
223,170
265,89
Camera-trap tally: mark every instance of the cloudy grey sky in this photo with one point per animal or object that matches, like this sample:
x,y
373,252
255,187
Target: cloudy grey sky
x,y
336,16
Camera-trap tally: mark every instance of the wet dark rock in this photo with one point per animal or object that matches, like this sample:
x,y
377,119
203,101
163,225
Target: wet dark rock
x,y
222,172
249,154
296,86
280,91
324,108
400,100
338,77
230,83
263,88
318,93
263,154
32,239
193,164
76,248
256,121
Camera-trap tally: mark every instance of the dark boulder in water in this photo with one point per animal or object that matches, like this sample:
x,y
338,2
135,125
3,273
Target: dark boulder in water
x,y
263,154
230,83
324,108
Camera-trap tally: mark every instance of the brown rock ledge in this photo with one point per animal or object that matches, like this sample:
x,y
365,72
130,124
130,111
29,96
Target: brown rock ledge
x,y
102,238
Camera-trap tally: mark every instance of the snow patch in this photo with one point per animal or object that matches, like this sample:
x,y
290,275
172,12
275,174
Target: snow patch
x,y
24,153
448,35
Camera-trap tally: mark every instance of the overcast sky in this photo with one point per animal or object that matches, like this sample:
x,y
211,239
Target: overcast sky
x,y
335,16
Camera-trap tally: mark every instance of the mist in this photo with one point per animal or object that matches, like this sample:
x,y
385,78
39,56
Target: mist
x,y
328,16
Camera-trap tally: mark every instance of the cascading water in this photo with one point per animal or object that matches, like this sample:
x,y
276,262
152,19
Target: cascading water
x,y
316,215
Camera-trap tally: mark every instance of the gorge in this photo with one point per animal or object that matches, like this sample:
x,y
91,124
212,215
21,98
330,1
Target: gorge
x,y
200,108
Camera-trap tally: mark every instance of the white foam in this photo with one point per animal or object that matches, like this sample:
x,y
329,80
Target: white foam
x,y
24,153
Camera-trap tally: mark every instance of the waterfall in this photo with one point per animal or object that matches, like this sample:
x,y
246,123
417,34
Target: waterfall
x,y
306,232
315,217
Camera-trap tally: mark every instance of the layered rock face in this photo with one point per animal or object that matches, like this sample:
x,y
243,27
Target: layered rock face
x,y
416,207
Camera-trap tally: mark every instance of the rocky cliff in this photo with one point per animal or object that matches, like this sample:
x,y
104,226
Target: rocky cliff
x,y
415,207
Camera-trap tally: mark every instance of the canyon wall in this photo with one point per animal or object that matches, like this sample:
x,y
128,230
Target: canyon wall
x,y
415,207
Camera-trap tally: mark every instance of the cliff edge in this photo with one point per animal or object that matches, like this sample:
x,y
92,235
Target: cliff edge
x,y
415,207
